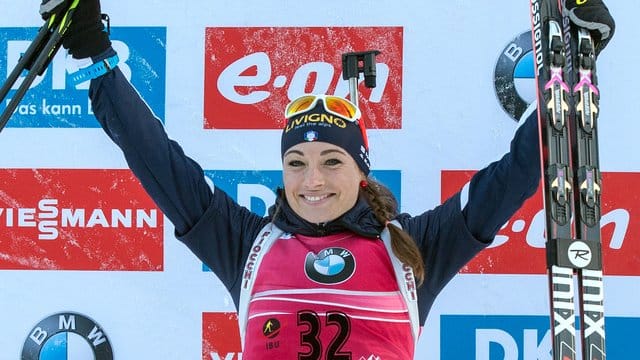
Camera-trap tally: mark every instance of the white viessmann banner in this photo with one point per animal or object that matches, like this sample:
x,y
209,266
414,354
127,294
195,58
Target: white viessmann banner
x,y
87,256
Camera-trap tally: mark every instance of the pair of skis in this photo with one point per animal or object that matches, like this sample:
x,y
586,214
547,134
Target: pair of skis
x,y
568,112
36,58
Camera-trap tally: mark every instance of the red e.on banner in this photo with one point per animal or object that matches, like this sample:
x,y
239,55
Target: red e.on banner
x,y
519,246
251,73
78,219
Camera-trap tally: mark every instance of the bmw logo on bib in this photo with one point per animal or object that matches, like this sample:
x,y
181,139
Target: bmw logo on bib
x,y
330,266
67,336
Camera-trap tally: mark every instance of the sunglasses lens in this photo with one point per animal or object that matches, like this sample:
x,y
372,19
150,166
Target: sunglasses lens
x,y
333,104
340,106
299,105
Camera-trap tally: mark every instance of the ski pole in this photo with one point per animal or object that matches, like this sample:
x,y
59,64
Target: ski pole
x,y
26,60
36,59
353,64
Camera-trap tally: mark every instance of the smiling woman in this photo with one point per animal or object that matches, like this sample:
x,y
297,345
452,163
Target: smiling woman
x,y
326,167
334,270
320,180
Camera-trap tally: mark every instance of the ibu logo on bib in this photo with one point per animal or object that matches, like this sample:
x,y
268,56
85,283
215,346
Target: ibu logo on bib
x,y
330,266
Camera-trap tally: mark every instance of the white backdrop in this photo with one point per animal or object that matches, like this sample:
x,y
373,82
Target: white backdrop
x,y
451,120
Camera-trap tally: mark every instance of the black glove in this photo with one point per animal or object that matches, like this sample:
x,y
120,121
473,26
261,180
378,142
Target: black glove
x,y
594,16
85,36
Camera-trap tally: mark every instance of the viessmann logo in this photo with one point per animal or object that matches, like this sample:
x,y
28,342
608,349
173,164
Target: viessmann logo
x,y
249,81
520,244
78,220
52,100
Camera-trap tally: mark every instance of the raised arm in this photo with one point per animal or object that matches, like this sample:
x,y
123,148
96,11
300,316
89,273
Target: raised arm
x,y
208,221
174,181
496,192
453,233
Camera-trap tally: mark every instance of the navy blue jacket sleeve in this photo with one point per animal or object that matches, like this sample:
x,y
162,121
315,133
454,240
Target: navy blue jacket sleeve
x,y
174,181
499,190
451,234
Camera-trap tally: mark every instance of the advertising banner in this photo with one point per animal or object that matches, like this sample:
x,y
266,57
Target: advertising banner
x,y
90,267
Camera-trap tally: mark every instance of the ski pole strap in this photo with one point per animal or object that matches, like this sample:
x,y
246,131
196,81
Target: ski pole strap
x,y
93,71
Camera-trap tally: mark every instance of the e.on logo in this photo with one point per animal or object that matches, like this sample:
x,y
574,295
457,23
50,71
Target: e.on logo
x,y
519,247
78,220
251,73
221,336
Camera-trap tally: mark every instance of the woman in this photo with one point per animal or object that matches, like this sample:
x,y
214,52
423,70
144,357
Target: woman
x,y
333,272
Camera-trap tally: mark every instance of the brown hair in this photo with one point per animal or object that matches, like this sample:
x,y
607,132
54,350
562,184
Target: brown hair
x,y
385,208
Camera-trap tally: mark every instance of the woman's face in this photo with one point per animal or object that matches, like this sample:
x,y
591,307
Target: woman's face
x,y
321,180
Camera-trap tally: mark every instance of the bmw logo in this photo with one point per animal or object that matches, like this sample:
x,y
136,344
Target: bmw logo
x,y
330,266
514,76
67,336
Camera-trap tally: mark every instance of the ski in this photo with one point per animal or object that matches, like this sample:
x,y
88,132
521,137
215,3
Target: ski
x,y
587,171
568,109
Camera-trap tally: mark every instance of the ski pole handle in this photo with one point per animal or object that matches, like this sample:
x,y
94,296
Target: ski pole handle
x,y
353,64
